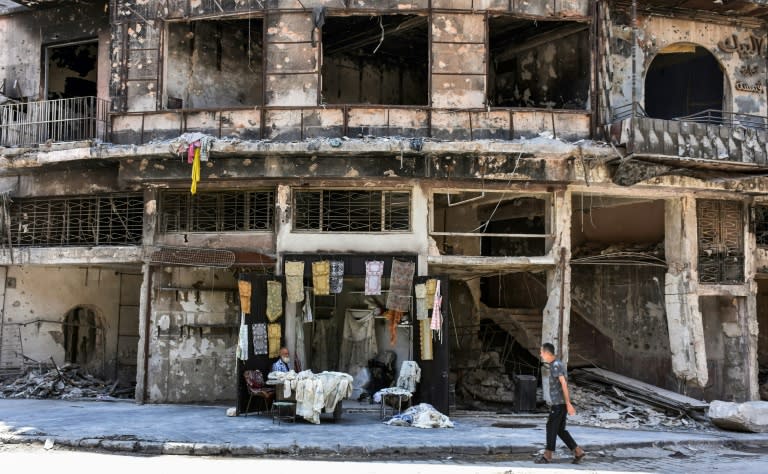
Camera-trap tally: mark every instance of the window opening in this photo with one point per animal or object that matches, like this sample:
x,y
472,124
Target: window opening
x,y
352,211
217,211
71,70
761,225
721,241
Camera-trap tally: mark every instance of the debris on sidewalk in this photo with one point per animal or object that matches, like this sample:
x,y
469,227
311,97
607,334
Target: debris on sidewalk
x,y
69,381
748,416
422,415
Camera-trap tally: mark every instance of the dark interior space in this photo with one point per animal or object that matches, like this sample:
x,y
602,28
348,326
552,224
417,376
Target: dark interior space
x,y
72,70
375,60
684,82
542,64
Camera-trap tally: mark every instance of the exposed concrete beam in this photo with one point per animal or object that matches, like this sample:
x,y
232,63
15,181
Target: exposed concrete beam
x,y
72,255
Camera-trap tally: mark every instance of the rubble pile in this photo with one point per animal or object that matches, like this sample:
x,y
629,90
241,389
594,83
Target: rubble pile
x,y
67,382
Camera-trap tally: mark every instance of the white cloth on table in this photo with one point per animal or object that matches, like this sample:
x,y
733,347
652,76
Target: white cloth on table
x,y
310,398
336,386
288,379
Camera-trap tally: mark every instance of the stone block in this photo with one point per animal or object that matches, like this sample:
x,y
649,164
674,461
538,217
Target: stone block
x,y
749,416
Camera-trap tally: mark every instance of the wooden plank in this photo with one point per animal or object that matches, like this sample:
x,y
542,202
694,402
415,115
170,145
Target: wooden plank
x,y
633,384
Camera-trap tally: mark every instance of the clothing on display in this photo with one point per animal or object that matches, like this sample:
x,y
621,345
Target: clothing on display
x,y
410,375
337,276
400,284
431,287
244,288
308,318
274,335
242,346
374,269
294,281
260,342
420,291
437,315
358,342
425,339
321,277
274,300
393,319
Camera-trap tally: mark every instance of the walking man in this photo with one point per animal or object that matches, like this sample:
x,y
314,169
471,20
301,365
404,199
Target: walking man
x,y
561,407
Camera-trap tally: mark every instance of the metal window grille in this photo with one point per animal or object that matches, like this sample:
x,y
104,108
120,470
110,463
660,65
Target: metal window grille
x,y
217,211
761,225
352,211
77,221
721,241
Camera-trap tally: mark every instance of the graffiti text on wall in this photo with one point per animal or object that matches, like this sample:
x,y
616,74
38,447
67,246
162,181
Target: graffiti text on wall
x,y
752,46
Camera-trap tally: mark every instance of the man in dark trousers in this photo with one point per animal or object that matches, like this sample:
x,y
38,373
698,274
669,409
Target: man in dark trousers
x,y
560,408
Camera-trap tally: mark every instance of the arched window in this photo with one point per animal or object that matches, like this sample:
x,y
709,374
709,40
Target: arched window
x,y
683,79
81,327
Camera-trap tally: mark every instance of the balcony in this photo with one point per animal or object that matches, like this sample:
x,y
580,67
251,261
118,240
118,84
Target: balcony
x,y
711,136
60,120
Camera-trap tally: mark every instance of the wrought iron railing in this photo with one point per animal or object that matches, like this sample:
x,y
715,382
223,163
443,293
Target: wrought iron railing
x,y
728,119
60,120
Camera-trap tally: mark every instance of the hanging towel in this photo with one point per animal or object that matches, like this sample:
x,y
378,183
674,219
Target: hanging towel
x,y
420,291
320,277
274,300
400,283
260,343
337,276
374,269
308,308
294,281
425,339
431,286
242,347
274,334
244,287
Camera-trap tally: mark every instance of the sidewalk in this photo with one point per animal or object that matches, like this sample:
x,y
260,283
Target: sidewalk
x,y
206,430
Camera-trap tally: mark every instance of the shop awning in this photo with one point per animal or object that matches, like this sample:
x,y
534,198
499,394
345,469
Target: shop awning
x,y
466,268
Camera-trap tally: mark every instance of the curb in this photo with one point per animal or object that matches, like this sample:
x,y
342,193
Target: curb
x,y
337,451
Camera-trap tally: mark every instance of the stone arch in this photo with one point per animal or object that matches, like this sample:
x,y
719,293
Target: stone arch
x,y
683,79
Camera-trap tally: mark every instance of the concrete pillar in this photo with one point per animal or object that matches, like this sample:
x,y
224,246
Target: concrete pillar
x,y
748,310
145,306
681,299
557,312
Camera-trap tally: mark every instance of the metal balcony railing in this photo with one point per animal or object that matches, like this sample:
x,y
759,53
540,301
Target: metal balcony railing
x,y
728,119
60,120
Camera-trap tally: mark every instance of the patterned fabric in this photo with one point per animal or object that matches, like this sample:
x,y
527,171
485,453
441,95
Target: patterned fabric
x,y
274,335
425,339
294,281
420,291
400,283
373,271
242,346
320,277
274,300
337,276
244,288
431,286
260,344
437,315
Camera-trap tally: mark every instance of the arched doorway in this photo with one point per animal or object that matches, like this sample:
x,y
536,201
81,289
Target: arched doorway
x,y
683,79
82,332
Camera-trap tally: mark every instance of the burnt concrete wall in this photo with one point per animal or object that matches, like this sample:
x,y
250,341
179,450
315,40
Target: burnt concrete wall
x,y
631,223
192,336
762,321
349,80
212,64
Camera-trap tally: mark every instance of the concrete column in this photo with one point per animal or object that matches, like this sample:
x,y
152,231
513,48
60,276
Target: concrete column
x,y
557,312
748,312
681,300
145,306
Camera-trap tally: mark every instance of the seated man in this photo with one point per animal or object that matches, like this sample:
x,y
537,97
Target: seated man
x,y
283,363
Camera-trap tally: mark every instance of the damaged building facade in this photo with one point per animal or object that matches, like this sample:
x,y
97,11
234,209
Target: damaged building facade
x,y
582,172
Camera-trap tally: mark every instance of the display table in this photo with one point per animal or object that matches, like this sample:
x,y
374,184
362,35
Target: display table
x,y
284,412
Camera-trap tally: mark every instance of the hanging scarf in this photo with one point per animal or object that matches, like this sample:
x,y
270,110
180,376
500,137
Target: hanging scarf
x,y
308,308
294,281
260,343
337,276
425,339
393,317
274,300
420,291
274,335
400,282
373,271
242,346
320,277
244,288
195,171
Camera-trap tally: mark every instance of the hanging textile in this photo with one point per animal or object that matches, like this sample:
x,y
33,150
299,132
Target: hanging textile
x,y
410,375
242,346
425,339
431,286
274,300
437,316
195,171
274,335
244,287
260,342
319,345
400,283
294,281
320,277
358,343
337,276
308,307
374,269
420,291
393,318
299,353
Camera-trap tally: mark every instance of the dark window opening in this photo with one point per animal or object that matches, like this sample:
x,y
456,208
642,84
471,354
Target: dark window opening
x,y
217,211
352,211
71,70
77,221
761,226
684,81
214,64
376,60
80,331
721,241
543,64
